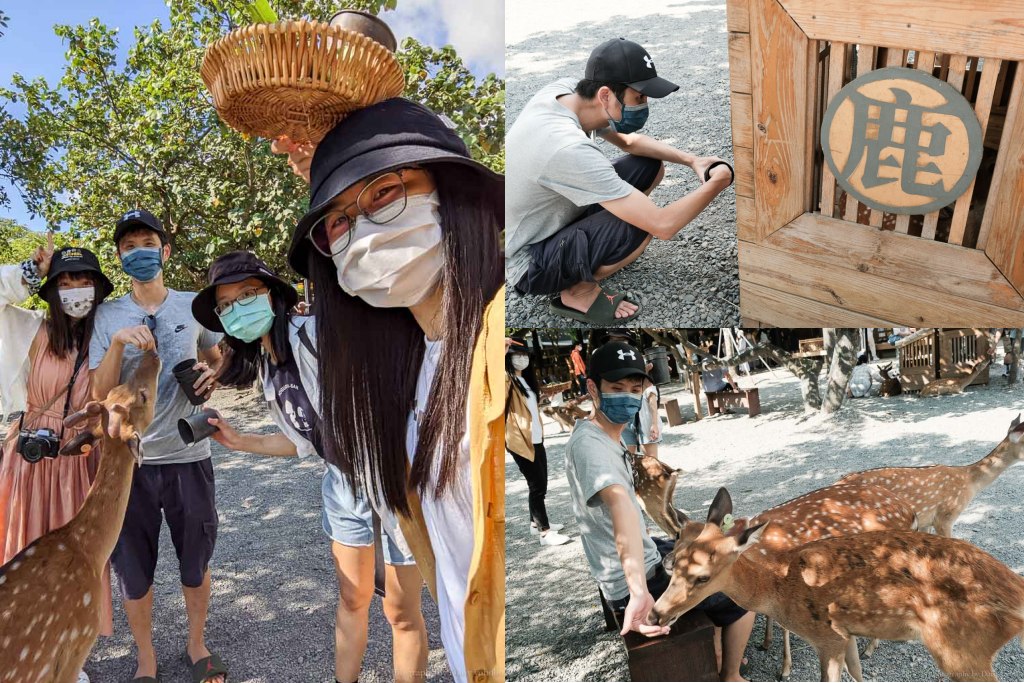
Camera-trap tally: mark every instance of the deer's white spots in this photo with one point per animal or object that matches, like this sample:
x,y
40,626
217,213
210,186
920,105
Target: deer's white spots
x,y
45,670
24,654
61,546
14,567
86,599
30,552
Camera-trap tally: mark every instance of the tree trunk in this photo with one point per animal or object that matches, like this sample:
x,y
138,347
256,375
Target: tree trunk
x,y
842,359
1015,348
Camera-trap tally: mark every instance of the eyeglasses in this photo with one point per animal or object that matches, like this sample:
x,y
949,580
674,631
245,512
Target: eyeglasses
x,y
381,201
244,299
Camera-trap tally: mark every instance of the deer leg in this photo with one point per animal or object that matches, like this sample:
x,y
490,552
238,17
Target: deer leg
x,y
787,656
853,660
943,526
870,649
832,663
768,624
962,665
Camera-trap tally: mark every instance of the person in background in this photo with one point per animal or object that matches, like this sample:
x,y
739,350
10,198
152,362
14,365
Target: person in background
x,y
270,344
649,419
579,368
176,480
42,356
524,439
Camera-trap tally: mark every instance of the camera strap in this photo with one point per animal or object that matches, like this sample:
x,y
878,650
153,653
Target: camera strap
x,y
79,361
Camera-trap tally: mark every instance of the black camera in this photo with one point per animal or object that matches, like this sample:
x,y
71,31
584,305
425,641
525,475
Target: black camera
x,y
34,446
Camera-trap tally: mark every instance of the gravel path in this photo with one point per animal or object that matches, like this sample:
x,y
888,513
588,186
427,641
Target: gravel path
x,y
556,628
691,280
274,590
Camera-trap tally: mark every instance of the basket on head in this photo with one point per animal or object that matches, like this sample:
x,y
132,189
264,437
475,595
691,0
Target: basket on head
x,y
297,78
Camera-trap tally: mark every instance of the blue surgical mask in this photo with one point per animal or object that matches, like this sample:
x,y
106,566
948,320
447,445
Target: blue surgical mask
x,y
620,408
251,321
634,116
142,264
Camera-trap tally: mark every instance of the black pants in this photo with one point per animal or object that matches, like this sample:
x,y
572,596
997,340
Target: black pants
x,y
536,474
581,381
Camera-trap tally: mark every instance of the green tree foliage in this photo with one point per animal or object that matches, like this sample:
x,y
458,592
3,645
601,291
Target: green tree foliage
x,y
109,137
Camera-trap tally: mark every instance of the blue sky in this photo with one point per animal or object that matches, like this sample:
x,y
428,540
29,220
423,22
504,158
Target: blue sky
x,y
29,47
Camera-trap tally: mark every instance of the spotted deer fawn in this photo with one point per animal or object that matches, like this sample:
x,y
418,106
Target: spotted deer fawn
x,y
891,385
837,510
48,592
939,493
655,486
956,385
961,602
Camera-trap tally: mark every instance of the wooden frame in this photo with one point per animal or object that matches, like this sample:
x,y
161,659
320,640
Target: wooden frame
x,y
808,253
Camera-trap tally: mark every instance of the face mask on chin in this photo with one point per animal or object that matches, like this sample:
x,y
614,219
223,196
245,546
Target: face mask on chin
x,y
395,264
77,301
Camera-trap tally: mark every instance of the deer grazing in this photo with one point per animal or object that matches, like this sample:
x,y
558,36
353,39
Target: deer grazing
x,y
939,493
956,385
837,510
890,385
48,592
961,602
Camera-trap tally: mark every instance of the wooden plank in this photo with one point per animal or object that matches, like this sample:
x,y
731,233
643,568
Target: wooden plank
x,y
926,62
1002,228
746,223
866,293
737,16
742,120
836,69
771,307
743,162
936,266
989,29
739,62
983,107
779,67
866,56
814,114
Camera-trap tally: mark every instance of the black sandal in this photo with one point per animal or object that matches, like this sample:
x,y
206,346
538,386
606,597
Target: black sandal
x,y
206,668
601,312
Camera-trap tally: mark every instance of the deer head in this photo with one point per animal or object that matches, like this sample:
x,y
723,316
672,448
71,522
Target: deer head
x,y
1015,433
127,410
702,559
884,370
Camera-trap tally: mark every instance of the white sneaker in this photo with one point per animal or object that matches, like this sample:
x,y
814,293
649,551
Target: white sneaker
x,y
83,677
554,527
552,537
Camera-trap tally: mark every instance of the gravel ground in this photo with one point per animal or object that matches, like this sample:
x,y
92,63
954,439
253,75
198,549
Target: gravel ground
x,y
556,628
691,280
274,589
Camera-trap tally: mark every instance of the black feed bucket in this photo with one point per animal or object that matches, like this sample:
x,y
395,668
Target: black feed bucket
x,y
658,357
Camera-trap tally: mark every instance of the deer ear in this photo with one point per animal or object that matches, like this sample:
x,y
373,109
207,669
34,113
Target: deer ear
x,y
750,537
1016,421
720,507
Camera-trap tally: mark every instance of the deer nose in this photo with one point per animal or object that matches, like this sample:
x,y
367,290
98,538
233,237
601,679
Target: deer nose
x,y
653,619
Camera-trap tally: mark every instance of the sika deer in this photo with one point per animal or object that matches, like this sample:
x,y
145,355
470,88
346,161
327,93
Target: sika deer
x,y
939,493
956,385
837,510
890,385
655,485
961,602
48,591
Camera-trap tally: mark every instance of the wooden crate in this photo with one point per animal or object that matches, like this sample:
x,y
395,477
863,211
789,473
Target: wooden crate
x,y
815,344
808,252
942,354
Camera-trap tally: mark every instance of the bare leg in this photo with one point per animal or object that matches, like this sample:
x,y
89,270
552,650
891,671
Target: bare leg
x,y
197,604
354,568
853,660
734,643
140,621
651,449
404,585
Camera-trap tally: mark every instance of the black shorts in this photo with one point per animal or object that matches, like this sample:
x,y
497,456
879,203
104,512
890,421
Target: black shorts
x,y
719,607
597,238
184,494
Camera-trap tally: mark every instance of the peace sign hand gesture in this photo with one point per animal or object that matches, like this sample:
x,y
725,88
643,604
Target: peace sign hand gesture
x,y
44,255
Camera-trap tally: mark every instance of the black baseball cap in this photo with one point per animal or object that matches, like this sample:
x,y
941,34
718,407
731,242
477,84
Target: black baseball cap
x,y
616,360
139,218
76,260
386,136
236,266
622,61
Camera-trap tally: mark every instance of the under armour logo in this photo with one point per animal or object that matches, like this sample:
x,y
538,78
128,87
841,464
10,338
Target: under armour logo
x,y
134,214
648,61
623,354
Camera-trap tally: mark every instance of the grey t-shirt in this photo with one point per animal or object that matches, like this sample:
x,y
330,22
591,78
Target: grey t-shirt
x,y
593,462
553,172
179,337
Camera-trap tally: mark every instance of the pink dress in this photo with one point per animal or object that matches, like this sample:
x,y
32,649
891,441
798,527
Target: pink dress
x,y
36,498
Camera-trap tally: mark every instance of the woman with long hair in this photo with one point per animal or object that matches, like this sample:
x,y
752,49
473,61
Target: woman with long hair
x,y
402,244
44,375
268,343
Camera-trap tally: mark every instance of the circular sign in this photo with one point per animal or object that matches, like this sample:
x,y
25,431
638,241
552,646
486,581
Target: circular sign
x,y
901,141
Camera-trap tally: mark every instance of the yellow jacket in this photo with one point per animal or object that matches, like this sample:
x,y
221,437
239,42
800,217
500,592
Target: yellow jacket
x,y
485,598
518,422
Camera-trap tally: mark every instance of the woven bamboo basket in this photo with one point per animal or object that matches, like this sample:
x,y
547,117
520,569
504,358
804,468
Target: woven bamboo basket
x,y
297,78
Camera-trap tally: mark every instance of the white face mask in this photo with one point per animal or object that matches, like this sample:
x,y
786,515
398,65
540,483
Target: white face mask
x,y
78,301
397,264
520,362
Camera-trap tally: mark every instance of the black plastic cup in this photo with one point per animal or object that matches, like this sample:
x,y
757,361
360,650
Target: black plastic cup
x,y
186,377
195,428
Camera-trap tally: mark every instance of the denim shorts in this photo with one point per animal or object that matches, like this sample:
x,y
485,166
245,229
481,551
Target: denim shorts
x,y
348,520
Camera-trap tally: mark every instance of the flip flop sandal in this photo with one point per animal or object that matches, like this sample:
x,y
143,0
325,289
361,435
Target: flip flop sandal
x,y
732,173
601,312
147,679
206,668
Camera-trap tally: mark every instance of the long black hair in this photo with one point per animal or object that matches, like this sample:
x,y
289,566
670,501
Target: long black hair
x,y
68,335
370,357
243,361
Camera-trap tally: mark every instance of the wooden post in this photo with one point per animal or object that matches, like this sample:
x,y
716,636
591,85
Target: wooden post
x,y
695,386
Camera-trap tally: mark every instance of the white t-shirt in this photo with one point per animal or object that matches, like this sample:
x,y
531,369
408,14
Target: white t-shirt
x,y
531,402
450,525
647,416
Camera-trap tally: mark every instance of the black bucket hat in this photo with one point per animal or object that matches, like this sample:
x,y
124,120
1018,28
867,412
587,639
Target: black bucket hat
x,y
232,267
76,260
379,138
